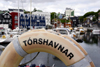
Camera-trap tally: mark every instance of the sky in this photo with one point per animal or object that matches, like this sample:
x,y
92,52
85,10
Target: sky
x,y
79,6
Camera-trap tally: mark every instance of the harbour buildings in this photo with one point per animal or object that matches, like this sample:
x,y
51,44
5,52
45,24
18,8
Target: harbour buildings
x,y
34,21
38,19
69,13
45,14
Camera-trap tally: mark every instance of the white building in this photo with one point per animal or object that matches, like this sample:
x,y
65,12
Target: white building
x,y
46,14
69,13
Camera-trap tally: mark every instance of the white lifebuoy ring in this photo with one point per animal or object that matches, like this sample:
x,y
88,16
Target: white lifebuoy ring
x,y
43,41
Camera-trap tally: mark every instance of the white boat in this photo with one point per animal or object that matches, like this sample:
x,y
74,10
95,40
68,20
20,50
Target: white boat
x,y
96,32
65,31
7,36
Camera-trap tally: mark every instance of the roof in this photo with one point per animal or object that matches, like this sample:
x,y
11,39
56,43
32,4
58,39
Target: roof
x,y
69,9
21,10
6,13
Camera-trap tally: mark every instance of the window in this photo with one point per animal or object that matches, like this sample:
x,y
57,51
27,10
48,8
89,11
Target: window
x,y
3,20
33,17
35,23
16,17
37,17
21,17
16,21
16,26
38,20
27,23
41,17
23,23
9,20
8,16
27,17
5,16
6,20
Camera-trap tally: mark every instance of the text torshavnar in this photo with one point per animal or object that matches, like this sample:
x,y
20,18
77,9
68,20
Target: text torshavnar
x,y
41,41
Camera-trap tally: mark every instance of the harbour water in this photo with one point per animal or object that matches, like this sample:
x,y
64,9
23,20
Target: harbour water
x,y
90,43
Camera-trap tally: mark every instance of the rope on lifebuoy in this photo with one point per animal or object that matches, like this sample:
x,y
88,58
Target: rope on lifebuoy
x,y
30,60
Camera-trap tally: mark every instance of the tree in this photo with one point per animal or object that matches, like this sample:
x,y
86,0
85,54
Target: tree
x,y
26,12
34,10
88,14
53,16
94,19
63,20
96,14
81,18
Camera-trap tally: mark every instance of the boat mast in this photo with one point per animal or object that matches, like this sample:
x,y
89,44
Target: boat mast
x,y
23,14
18,13
30,12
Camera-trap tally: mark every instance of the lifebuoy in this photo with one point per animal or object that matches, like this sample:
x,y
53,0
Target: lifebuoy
x,y
44,41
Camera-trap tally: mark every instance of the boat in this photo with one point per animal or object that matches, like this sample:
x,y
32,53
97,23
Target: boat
x,y
66,31
2,47
95,32
6,36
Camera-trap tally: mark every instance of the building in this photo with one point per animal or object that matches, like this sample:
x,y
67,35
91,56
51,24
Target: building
x,y
46,15
90,17
74,21
24,20
69,13
1,19
14,19
99,19
5,19
36,21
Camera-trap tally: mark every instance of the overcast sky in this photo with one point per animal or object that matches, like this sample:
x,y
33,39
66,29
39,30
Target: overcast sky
x,y
80,6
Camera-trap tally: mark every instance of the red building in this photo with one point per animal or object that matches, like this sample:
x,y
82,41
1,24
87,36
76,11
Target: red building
x,y
14,19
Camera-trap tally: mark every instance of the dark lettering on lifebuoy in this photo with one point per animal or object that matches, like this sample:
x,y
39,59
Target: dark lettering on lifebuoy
x,y
65,51
45,42
25,42
55,45
34,41
70,55
29,41
51,43
61,48
40,41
